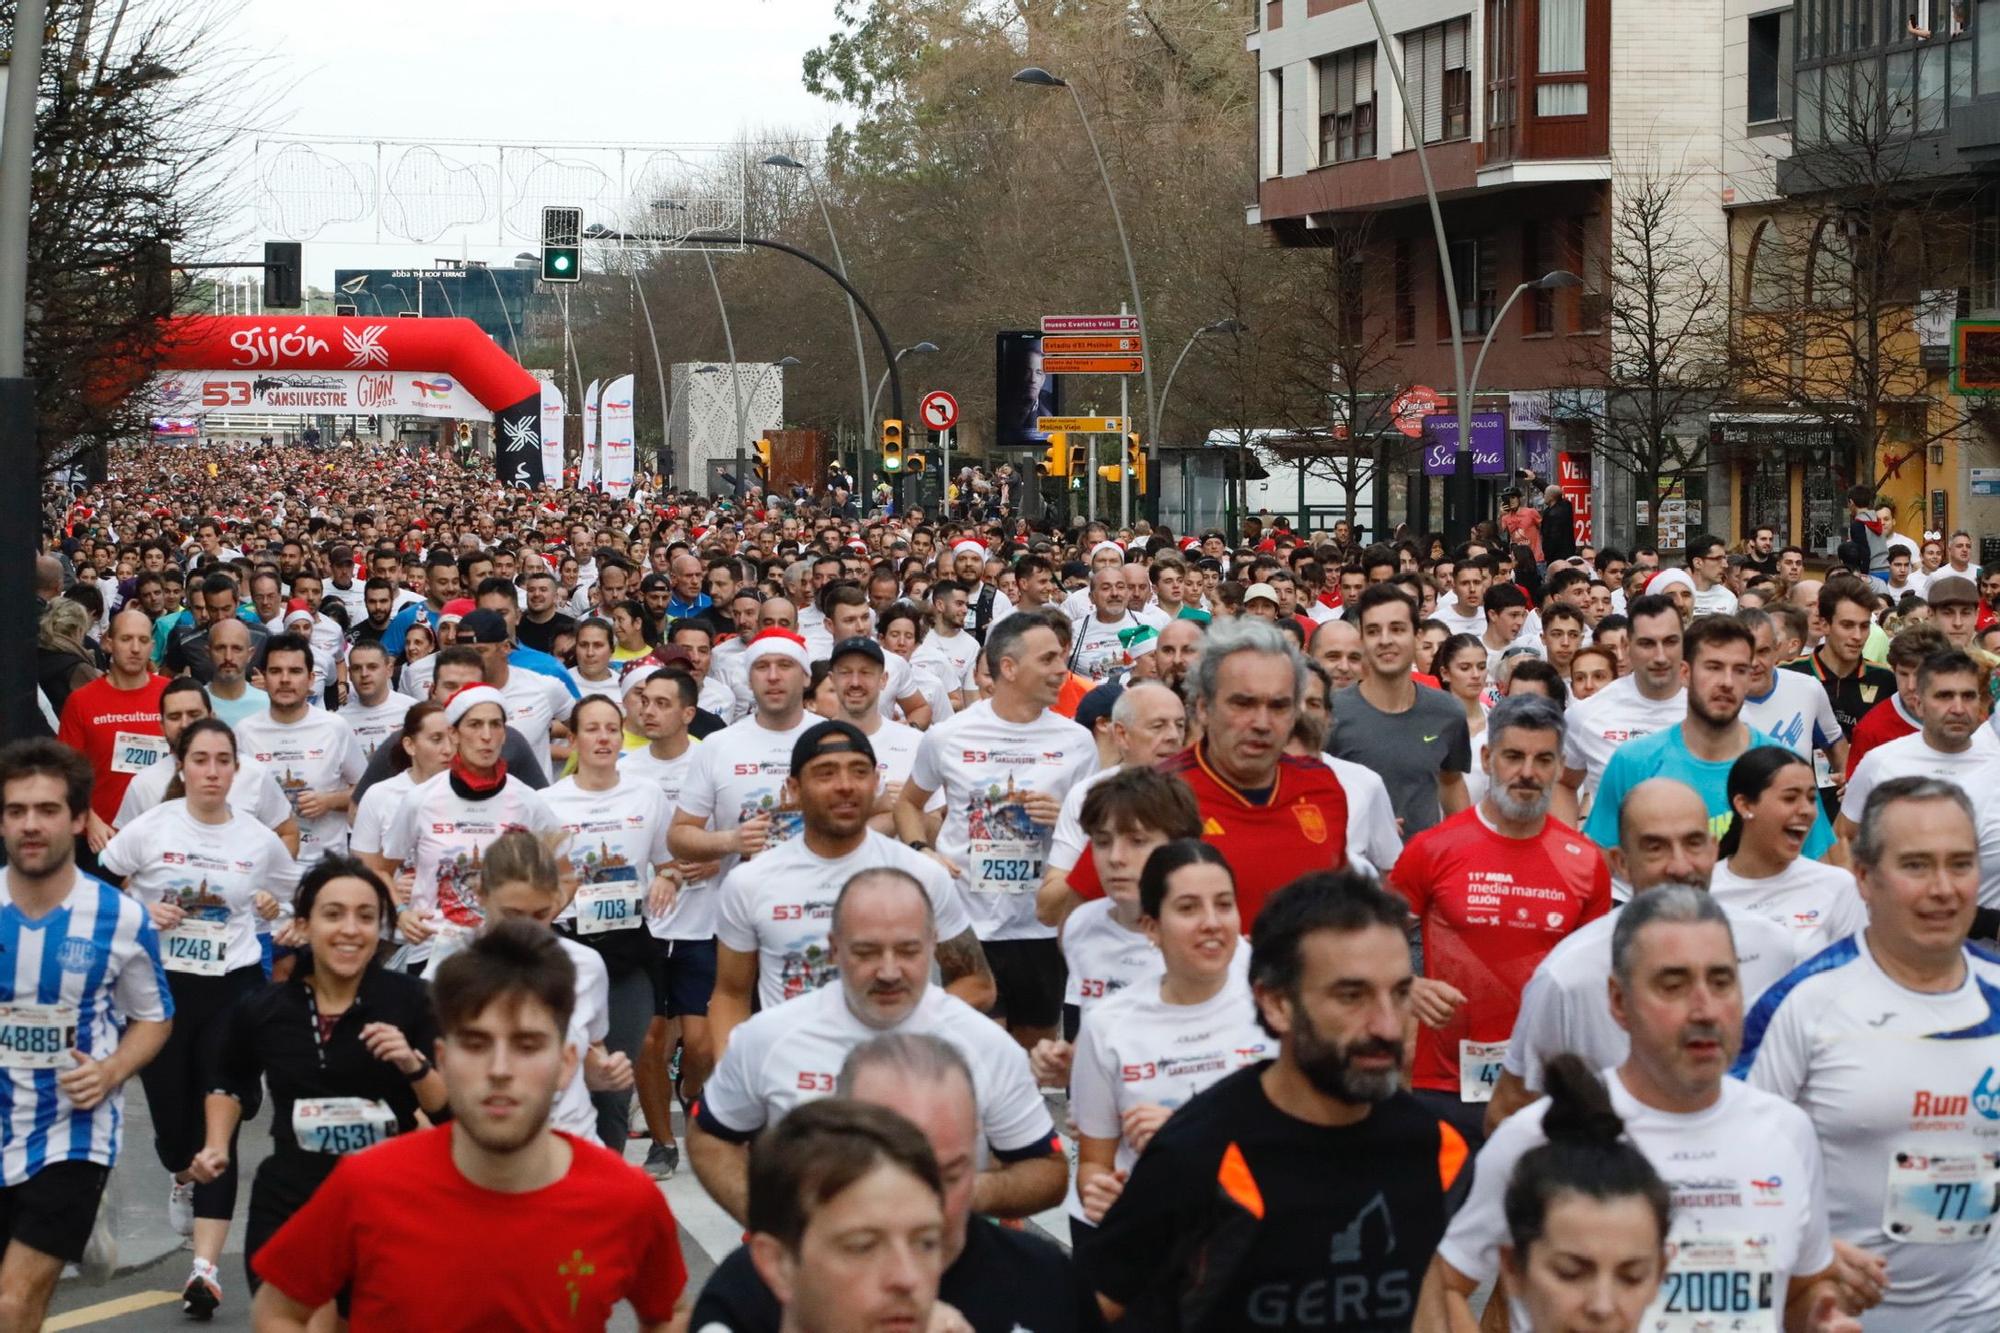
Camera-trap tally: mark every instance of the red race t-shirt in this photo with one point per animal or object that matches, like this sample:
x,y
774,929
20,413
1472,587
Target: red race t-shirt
x,y
1881,724
1299,828
1491,907
420,1246
118,731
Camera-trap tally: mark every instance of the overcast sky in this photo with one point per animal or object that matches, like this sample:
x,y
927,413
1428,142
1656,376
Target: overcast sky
x,y
516,71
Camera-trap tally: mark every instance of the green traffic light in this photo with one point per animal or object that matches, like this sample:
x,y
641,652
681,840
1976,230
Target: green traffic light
x,y
561,263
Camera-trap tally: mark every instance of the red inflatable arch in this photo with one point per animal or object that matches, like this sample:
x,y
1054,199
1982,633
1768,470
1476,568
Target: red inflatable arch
x,y
455,348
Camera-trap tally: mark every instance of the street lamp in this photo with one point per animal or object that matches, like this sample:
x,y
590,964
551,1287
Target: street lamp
x,y
1554,280
1037,77
787,162
1219,326
924,348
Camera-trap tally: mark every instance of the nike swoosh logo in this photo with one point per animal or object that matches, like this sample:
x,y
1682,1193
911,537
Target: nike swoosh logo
x,y
1878,1022
1429,739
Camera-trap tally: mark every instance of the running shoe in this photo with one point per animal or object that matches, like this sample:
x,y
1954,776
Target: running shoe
x,y
180,1207
203,1295
662,1160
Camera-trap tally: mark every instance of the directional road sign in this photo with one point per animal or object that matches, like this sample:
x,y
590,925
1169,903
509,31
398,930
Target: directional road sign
x,y
1082,425
1090,324
939,410
1094,365
1097,346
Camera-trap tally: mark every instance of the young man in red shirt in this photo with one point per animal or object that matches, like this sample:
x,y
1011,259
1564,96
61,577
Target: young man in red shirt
x,y
114,721
1493,889
558,1231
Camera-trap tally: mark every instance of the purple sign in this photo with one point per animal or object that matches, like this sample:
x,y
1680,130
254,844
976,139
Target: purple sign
x,y
1489,442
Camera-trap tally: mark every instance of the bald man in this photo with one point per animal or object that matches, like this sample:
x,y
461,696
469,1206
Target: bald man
x,y
1336,645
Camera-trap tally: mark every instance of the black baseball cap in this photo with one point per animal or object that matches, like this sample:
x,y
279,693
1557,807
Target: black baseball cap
x,y
655,580
1095,706
483,627
830,737
859,643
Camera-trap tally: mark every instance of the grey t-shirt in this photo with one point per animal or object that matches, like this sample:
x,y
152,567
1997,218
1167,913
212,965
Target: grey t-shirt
x,y
1408,749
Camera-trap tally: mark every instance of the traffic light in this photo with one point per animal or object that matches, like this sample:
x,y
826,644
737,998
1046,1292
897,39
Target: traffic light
x,y
763,464
562,240
892,445
1135,460
1055,459
917,465
1079,459
282,261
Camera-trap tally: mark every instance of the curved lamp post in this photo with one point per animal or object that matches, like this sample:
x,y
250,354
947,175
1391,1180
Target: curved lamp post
x,y
787,162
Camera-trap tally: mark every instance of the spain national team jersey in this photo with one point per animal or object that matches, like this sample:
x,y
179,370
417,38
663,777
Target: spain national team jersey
x,y
1299,826
1490,908
70,980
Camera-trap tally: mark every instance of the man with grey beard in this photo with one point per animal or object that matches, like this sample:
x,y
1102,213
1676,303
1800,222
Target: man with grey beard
x,y
1300,1177
1493,889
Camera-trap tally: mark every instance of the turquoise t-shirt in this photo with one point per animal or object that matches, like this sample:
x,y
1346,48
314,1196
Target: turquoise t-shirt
x,y
1665,755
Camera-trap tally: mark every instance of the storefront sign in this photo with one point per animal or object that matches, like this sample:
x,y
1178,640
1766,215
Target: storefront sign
x,y
1489,438
1573,475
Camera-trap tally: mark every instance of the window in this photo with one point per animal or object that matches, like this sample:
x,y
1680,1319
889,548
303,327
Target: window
x,y
1986,263
1539,313
1503,69
1771,67
1586,248
1347,105
1830,274
1806,128
1406,294
1352,277
1475,278
1439,79
1986,40
1561,51
1274,85
1930,88
1770,269
1901,90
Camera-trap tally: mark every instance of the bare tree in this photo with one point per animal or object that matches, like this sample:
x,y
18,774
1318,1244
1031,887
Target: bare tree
x,y
1667,315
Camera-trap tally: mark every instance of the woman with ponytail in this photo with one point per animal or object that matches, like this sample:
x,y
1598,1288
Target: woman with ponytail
x,y
1760,868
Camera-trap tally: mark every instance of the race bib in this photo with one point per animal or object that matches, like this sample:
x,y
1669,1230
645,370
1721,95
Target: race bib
x,y
1717,1282
132,752
1004,867
341,1124
199,946
606,907
1941,1199
37,1036
1479,1069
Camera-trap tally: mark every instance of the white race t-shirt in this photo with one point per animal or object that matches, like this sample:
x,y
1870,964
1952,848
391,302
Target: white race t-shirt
x,y
1564,1005
254,791
378,806
1095,646
442,836
948,657
983,765
779,906
895,745
589,1022
534,701
616,837
1818,903
792,1054
1749,1200
1901,1089
1617,713
1066,844
1372,833
1102,958
316,753
607,688
1975,769
738,773
213,872
372,726
1796,714
1715,601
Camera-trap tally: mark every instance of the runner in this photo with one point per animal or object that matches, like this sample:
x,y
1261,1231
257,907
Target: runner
x,y
536,702
996,1277
1666,841
1786,706
375,710
1743,1166
1002,766
342,1046
1952,743
1896,716
883,936
1700,750
313,752
587,1230
616,822
90,1007
1846,607
444,828
858,669
207,875
948,652
1776,798
592,672
1303,1176
424,745
114,722
255,791
1877,1040
849,618
1099,637
1413,736
1652,696
1492,889
773,916
1151,1047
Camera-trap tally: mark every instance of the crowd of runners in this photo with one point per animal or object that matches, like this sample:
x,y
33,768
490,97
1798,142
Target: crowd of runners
x,y
1330,933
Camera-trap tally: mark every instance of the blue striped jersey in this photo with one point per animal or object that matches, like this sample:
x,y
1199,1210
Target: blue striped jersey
x,y
98,955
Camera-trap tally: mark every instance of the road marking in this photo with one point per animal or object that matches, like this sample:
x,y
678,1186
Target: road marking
x,y
124,1305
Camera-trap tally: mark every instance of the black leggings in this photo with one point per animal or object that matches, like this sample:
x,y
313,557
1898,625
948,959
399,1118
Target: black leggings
x,y
283,1185
177,1081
